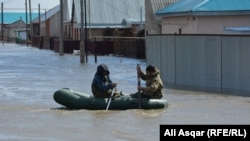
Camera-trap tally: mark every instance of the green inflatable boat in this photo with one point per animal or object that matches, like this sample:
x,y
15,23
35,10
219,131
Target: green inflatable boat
x,y
77,100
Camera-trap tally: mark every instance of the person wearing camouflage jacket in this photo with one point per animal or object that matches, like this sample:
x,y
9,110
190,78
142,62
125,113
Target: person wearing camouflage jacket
x,y
154,85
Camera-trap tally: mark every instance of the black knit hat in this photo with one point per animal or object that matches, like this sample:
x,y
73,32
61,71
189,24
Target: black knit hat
x,y
150,68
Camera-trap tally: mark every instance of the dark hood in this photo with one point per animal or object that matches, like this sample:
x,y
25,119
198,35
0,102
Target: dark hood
x,y
101,68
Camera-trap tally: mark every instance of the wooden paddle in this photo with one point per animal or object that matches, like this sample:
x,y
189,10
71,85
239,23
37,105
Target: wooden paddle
x,y
139,92
110,99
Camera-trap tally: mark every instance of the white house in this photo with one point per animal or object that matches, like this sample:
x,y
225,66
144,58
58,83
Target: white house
x,y
205,17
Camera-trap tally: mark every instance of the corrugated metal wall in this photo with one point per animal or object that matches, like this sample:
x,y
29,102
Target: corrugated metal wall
x,y
236,64
200,62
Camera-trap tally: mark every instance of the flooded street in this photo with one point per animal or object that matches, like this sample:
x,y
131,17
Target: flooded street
x,y
29,77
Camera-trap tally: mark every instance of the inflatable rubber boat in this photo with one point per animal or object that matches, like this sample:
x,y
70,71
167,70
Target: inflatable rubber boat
x,y
77,100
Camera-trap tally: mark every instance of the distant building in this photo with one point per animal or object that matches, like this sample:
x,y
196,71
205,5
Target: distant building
x,y
11,17
48,23
22,36
206,17
13,21
103,16
10,30
14,15
45,28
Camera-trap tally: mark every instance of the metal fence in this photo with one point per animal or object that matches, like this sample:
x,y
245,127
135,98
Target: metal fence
x,y
214,63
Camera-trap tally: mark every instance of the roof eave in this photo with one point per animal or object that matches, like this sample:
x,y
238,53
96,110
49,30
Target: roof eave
x,y
204,13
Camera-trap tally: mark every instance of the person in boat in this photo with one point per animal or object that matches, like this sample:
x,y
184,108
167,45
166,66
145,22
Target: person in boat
x,y
102,85
154,85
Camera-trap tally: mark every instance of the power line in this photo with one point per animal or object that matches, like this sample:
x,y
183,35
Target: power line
x,y
22,8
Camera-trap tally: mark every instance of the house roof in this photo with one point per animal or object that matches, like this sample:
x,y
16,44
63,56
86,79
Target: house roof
x,y
207,7
159,4
19,5
9,18
112,13
16,22
14,10
47,14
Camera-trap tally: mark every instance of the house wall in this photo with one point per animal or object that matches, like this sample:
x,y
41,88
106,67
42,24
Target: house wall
x,y
216,24
203,24
71,31
67,28
183,24
47,30
10,31
76,34
54,25
96,32
42,28
35,28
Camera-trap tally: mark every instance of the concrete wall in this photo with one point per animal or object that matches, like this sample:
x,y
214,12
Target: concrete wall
x,y
202,62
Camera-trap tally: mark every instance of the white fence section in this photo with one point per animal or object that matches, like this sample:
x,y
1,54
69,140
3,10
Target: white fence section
x,y
213,63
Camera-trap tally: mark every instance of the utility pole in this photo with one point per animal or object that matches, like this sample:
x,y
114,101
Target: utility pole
x,y
141,24
82,50
39,19
26,15
2,22
31,30
85,30
61,47
45,15
39,25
